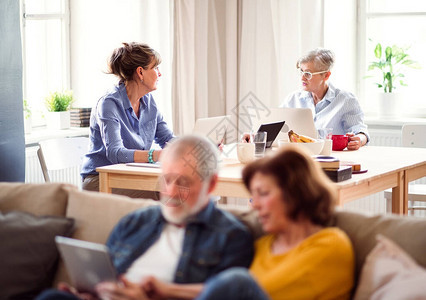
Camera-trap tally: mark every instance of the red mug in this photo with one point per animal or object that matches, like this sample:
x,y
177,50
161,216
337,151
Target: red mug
x,y
339,142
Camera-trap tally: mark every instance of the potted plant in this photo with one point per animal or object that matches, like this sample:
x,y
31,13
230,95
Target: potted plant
x,y
391,62
27,117
58,105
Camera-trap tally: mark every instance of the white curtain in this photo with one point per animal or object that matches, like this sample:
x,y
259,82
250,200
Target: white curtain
x,y
205,56
238,57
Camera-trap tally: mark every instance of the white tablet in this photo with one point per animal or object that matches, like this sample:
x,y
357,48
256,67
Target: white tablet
x,y
87,263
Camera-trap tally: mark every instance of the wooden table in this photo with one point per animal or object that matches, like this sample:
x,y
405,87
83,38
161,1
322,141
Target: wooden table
x,y
388,167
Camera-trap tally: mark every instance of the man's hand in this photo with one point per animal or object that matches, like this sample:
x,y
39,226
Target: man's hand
x,y
65,287
124,290
356,141
155,288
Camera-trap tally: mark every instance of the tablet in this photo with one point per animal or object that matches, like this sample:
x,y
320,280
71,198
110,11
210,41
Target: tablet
x,y
272,130
87,263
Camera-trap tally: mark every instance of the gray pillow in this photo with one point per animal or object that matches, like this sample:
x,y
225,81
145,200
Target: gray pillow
x,y
28,252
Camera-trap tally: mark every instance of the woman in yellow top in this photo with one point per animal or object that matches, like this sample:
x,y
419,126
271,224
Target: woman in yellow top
x,y
299,257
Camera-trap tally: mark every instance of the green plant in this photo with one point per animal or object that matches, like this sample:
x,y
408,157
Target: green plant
x,y
391,62
27,110
59,101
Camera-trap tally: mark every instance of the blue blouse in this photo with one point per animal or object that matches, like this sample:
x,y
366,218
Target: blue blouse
x,y
116,132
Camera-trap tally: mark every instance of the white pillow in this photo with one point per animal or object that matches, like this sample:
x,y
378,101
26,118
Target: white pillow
x,y
390,273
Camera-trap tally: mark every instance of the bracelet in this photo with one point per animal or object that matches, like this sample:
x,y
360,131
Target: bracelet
x,y
150,160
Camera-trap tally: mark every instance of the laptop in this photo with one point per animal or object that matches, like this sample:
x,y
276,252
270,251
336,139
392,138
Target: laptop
x,y
87,263
213,128
300,120
272,130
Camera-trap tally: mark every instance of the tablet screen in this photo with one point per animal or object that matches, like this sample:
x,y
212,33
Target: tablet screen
x,y
87,263
272,130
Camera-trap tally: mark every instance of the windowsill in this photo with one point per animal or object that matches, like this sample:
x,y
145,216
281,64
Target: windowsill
x,y
42,133
392,121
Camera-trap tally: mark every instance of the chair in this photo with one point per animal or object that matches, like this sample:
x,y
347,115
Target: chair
x,y
61,159
413,135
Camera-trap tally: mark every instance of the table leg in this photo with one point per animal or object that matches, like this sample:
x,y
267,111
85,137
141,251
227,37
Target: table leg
x,y
398,195
104,183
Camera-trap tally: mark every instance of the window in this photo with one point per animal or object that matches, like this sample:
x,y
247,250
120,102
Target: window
x,y
45,46
401,23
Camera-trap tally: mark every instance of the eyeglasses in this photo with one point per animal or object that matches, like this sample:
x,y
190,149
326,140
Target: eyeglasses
x,y
308,75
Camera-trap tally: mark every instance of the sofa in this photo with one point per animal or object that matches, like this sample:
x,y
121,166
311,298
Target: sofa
x,y
32,214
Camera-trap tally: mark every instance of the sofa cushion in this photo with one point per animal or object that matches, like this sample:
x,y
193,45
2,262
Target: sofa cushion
x,y
28,252
38,199
95,216
390,273
362,230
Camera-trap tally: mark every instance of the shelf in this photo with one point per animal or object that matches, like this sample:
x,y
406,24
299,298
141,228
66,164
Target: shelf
x,y
42,133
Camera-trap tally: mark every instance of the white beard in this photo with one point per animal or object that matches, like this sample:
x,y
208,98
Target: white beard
x,y
176,210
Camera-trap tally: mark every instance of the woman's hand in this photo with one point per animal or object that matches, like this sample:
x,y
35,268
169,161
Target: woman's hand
x,y
123,290
356,141
246,138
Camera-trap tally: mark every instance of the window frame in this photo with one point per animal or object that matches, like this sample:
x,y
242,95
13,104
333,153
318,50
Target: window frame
x,y
362,19
65,43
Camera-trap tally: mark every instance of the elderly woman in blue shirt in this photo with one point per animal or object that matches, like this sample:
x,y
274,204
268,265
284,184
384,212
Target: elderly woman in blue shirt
x,y
125,122
331,107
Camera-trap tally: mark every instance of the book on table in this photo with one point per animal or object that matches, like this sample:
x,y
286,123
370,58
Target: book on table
x,y
328,162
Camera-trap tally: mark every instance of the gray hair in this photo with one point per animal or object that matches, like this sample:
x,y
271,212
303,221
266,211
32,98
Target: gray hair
x,y
323,59
197,151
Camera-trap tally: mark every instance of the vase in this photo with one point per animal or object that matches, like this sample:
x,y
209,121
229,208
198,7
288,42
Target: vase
x,y
58,120
389,104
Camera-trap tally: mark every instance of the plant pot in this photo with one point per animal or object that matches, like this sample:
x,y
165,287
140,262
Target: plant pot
x,y
389,104
58,120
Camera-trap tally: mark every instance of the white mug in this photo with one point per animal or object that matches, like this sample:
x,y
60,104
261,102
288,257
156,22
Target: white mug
x,y
245,152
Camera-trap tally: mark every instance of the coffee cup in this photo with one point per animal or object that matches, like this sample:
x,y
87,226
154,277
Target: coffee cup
x,y
245,152
339,142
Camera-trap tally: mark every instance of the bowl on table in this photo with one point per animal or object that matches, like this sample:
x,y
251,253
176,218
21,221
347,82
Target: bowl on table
x,y
314,148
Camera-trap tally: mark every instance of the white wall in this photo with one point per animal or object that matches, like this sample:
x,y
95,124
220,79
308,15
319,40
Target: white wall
x,y
340,36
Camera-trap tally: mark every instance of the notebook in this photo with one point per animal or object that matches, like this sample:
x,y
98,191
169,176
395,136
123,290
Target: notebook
x,y
213,128
87,263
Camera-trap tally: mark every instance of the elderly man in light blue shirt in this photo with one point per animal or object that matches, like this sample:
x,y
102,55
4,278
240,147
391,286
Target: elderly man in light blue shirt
x,y
331,107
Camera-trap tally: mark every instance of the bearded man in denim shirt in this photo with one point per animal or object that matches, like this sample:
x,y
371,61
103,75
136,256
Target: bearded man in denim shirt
x,y
184,240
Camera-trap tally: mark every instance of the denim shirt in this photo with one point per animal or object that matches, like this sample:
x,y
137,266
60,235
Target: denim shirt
x,y
214,241
116,132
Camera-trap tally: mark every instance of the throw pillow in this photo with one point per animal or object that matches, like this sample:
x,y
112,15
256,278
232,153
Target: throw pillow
x,y
28,252
390,273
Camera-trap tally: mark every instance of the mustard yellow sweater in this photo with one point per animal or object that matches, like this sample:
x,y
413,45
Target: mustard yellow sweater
x,y
321,267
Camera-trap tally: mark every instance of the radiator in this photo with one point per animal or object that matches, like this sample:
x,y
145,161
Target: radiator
x,y
33,173
383,137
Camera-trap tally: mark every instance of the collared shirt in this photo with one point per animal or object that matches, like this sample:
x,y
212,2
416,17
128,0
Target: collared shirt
x,y
116,132
338,109
214,240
